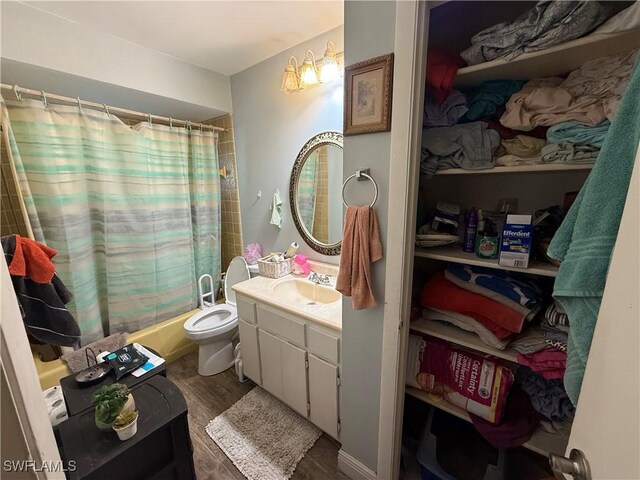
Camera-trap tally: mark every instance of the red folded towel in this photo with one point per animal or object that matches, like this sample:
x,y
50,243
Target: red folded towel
x,y
32,260
442,294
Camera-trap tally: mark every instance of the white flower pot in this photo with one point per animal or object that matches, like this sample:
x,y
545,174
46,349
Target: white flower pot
x,y
125,433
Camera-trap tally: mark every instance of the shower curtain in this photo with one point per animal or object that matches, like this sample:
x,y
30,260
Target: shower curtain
x,y
307,186
134,212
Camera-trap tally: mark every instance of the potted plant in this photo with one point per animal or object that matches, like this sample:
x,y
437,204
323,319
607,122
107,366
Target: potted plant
x,y
126,425
110,401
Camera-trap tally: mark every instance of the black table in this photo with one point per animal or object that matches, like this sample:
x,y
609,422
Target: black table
x,y
161,449
78,398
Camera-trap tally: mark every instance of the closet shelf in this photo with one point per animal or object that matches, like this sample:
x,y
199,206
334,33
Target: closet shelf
x,y
553,167
453,253
461,337
540,442
554,61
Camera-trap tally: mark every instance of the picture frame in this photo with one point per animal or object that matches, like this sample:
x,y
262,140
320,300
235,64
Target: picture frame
x,y
367,96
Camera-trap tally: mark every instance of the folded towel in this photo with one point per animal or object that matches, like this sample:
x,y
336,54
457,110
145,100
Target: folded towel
x,y
489,96
549,363
515,288
467,145
445,113
360,248
555,315
469,324
529,341
568,153
442,69
584,242
548,23
521,146
572,132
441,294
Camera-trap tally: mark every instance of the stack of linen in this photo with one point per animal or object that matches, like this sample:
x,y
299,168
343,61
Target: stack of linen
x,y
491,303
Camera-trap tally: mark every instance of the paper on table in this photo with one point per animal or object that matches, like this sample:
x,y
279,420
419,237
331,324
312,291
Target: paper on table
x,y
153,362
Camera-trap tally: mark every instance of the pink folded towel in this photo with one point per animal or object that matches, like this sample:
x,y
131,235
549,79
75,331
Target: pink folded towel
x,y
360,248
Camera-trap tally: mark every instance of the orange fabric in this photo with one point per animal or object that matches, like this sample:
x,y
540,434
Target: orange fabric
x,y
442,294
360,248
32,260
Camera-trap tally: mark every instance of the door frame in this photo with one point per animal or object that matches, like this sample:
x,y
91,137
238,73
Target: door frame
x,y
411,33
24,385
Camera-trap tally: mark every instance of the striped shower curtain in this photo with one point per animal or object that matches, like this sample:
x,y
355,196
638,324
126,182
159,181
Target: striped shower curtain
x,y
134,212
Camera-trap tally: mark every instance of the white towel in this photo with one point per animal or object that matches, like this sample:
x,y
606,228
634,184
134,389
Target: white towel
x,y
276,210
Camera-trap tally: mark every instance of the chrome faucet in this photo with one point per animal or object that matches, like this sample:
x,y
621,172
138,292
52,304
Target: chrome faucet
x,y
319,279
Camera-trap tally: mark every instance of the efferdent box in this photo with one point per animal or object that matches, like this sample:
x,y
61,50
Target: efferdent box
x,y
515,244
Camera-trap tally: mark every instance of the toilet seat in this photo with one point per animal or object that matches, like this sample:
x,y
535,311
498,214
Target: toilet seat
x,y
211,321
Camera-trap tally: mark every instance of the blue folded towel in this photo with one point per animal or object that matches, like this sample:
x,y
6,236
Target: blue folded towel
x,y
572,132
584,242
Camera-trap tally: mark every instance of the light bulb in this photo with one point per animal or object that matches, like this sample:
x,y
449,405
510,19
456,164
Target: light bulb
x,y
329,64
290,81
308,74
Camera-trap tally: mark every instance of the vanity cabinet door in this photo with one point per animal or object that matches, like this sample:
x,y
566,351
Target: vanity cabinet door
x,y
250,351
284,372
323,395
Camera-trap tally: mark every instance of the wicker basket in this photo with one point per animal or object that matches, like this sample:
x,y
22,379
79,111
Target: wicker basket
x,y
274,269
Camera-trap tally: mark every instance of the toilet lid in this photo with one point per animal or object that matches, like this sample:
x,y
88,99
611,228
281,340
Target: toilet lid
x,y
236,273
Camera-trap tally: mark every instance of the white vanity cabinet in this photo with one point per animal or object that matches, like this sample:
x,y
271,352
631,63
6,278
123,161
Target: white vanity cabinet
x,y
294,359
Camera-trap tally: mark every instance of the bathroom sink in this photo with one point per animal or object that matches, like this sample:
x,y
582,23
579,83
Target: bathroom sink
x,y
304,292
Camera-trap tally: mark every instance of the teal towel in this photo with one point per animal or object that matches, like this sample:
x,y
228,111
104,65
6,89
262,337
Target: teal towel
x,y
584,242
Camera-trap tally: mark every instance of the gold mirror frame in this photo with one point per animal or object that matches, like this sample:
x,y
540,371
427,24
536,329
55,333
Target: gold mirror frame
x,y
324,138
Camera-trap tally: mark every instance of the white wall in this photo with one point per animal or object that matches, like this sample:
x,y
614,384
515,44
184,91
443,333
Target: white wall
x,y
270,128
40,45
369,32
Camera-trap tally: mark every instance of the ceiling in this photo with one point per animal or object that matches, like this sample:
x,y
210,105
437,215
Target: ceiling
x,y
224,36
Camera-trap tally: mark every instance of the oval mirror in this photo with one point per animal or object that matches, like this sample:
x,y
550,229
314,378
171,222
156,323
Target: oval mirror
x,y
315,193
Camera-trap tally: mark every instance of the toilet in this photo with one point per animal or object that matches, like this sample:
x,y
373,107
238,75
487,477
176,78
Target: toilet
x,y
214,328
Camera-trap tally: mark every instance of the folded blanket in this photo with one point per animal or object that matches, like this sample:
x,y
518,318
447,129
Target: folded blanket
x,y
568,153
584,242
542,102
486,98
547,23
445,113
469,324
529,341
572,132
521,146
522,291
548,397
604,78
468,145
441,294
549,363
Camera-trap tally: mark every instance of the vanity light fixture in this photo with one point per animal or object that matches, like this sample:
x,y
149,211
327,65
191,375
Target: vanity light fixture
x,y
308,72
329,70
290,77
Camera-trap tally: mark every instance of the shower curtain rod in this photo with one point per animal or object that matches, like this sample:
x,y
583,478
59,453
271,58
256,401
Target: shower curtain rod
x,y
101,106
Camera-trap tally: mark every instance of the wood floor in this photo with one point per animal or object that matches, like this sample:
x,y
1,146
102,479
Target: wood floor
x,y
208,397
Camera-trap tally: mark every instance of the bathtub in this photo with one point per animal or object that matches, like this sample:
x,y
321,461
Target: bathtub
x,y
167,338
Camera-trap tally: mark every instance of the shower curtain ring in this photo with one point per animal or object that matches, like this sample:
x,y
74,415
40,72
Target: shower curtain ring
x,y
106,109
79,104
44,99
17,94
170,122
188,125
149,118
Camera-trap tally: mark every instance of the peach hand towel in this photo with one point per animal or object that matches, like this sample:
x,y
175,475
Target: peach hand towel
x,y
360,248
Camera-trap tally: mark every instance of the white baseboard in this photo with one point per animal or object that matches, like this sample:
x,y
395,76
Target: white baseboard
x,y
354,469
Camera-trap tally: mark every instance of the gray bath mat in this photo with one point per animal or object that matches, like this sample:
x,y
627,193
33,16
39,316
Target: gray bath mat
x,y
263,437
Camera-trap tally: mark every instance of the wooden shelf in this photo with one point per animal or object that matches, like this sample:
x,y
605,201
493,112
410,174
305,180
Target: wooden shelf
x,y
545,167
554,61
461,337
453,253
541,441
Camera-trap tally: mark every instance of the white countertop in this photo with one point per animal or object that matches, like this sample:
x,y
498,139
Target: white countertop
x,y
260,289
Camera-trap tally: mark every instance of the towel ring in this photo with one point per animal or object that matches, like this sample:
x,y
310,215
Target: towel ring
x,y
359,174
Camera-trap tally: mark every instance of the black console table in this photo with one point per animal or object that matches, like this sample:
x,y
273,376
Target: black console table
x,y
161,449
